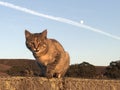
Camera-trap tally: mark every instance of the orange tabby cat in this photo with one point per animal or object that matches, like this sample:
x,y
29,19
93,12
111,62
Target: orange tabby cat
x,y
49,53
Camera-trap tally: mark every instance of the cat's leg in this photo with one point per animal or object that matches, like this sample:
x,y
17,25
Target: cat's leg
x,y
49,74
61,74
62,66
50,71
42,68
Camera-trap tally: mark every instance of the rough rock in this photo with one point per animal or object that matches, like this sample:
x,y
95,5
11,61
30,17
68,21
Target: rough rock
x,y
40,83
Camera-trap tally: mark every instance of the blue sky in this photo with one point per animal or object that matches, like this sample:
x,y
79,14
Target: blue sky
x,y
82,44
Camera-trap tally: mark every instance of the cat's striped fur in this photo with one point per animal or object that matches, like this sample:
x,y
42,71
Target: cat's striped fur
x,y
49,53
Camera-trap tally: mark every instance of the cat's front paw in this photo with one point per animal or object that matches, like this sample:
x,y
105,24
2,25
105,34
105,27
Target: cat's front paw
x,y
49,75
58,76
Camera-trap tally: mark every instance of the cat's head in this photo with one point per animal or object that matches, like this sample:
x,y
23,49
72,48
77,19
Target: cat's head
x,y
36,42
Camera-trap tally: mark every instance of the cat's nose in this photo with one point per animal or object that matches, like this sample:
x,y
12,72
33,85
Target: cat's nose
x,y
36,50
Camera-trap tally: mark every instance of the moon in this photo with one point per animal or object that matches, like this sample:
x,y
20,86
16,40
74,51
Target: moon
x,y
81,21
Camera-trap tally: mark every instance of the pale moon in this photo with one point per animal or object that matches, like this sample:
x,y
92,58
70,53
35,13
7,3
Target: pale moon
x,y
81,21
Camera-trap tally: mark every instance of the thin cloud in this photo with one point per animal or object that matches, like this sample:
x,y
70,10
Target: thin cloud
x,y
59,19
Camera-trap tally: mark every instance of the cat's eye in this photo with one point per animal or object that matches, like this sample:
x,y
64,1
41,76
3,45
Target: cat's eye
x,y
31,43
43,46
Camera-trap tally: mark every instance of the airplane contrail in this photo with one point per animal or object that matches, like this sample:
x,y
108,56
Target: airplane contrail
x,y
59,19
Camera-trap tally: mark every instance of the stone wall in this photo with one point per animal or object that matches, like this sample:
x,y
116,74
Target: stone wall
x,y
38,83
91,84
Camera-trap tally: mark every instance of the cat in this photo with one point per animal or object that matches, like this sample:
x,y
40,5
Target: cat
x,y
50,55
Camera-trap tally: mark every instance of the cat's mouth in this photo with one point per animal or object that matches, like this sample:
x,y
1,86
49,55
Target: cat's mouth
x,y
38,51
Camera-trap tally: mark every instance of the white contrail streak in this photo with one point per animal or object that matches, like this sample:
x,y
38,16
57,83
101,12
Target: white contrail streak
x,y
64,20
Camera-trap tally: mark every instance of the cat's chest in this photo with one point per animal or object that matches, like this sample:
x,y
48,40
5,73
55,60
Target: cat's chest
x,y
46,59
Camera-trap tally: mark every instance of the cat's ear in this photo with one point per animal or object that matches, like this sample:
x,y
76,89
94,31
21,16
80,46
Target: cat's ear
x,y
27,33
44,34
